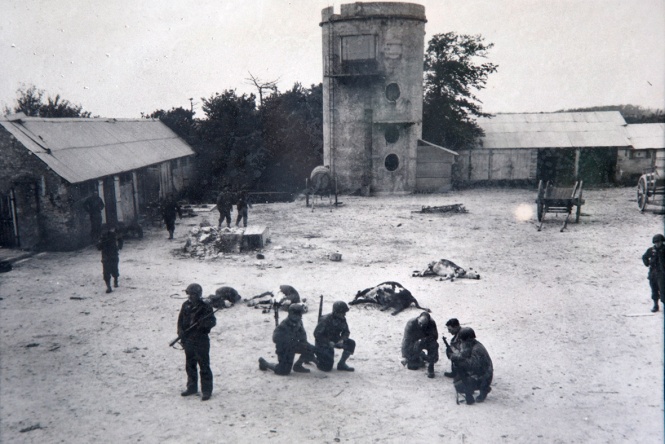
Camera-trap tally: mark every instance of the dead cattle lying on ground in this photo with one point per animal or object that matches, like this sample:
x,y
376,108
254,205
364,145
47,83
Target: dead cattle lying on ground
x,y
224,297
387,295
446,270
284,296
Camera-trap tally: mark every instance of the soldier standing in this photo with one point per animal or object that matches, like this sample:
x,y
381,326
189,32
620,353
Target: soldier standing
x,y
241,205
169,211
110,244
654,258
420,345
290,338
474,367
225,206
93,205
195,321
332,332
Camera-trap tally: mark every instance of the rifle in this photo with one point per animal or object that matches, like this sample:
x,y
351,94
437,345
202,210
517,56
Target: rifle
x,y
275,306
445,341
320,308
179,338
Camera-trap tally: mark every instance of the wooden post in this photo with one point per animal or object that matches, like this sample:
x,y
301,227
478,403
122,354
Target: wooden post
x,y
307,192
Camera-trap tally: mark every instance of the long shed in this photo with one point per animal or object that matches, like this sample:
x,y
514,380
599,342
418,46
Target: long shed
x,y
48,167
561,147
646,153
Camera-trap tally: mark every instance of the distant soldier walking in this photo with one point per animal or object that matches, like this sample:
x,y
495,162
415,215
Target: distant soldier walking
x,y
225,206
110,244
241,205
332,332
171,208
93,205
195,321
654,258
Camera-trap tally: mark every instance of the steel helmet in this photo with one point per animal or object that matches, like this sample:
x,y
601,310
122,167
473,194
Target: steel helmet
x,y
194,289
658,238
340,307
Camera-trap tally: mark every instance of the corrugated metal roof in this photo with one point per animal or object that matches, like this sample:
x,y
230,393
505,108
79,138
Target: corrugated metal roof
x,y
85,149
555,130
646,135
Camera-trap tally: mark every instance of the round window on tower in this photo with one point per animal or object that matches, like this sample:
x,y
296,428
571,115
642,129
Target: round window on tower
x,y
392,92
391,162
392,133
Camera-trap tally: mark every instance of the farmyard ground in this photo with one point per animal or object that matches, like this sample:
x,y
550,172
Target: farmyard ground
x,y
578,357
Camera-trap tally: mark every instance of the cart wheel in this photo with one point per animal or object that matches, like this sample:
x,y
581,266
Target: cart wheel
x,y
642,193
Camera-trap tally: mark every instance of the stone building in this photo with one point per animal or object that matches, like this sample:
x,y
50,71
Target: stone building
x,y
373,100
48,167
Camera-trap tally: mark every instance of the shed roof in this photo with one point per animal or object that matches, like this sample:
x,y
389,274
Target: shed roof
x,y
555,130
422,142
645,136
83,149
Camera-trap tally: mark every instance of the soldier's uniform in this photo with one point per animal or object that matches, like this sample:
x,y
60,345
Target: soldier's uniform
x,y
242,204
170,209
473,367
195,321
290,338
225,206
452,325
94,205
420,345
110,244
332,332
654,258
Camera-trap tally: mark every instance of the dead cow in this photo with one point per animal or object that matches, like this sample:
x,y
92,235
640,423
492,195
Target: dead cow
x,y
284,296
224,297
387,295
446,270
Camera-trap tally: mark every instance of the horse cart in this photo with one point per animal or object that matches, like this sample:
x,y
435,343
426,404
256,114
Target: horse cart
x,y
651,190
553,199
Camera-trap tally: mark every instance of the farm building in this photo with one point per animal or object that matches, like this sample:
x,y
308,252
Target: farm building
x,y
48,167
561,147
647,145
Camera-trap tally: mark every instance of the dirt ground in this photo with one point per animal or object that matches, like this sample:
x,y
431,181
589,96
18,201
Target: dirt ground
x,y
578,357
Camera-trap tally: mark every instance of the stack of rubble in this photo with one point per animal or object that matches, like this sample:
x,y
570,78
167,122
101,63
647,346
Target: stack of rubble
x,y
208,241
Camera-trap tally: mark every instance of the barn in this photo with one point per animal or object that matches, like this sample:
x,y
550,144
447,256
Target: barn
x,y
48,167
647,147
561,147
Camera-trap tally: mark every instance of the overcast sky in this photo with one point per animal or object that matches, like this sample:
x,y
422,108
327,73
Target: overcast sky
x,y
118,58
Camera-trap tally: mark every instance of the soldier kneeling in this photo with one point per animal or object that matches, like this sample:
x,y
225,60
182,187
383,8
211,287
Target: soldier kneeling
x,y
473,367
332,332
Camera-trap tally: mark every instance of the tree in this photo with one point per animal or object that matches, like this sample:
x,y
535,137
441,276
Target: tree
x,y
293,135
452,73
30,101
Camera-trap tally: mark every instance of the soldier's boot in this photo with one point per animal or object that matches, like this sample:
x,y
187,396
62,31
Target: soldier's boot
x,y
483,394
469,398
449,374
655,306
341,365
430,370
170,234
115,282
108,286
265,365
189,391
298,368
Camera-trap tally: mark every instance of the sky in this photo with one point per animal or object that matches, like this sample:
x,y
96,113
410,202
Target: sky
x,y
119,58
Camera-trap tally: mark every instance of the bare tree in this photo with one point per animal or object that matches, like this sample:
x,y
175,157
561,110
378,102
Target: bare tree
x,y
261,86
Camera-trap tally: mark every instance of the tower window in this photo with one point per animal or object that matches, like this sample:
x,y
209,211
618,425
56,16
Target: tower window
x,y
392,92
391,162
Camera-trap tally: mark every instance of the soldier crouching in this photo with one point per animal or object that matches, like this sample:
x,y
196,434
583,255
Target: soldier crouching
x,y
332,332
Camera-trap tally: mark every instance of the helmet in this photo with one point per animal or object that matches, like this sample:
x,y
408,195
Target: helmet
x,y
658,238
340,307
296,309
467,333
194,289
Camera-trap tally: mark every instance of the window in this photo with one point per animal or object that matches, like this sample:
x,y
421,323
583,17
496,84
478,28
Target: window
x,y
391,162
392,92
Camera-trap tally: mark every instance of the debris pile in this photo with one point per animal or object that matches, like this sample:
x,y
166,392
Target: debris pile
x,y
207,241
454,208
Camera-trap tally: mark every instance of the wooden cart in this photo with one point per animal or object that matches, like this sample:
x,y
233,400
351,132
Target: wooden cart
x,y
553,199
650,190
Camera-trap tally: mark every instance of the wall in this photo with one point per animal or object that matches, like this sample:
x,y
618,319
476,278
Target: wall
x,y
434,167
373,103
478,164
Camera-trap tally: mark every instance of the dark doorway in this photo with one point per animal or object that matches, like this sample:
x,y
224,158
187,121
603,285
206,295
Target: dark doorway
x,y
556,165
8,233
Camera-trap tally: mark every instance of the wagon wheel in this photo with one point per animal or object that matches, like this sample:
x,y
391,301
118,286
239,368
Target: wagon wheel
x,y
540,206
642,193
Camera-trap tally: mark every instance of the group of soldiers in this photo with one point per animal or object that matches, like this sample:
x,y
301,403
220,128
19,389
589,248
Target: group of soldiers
x,y
225,201
472,368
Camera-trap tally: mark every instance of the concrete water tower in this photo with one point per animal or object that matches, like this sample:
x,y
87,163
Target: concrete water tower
x,y
373,95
